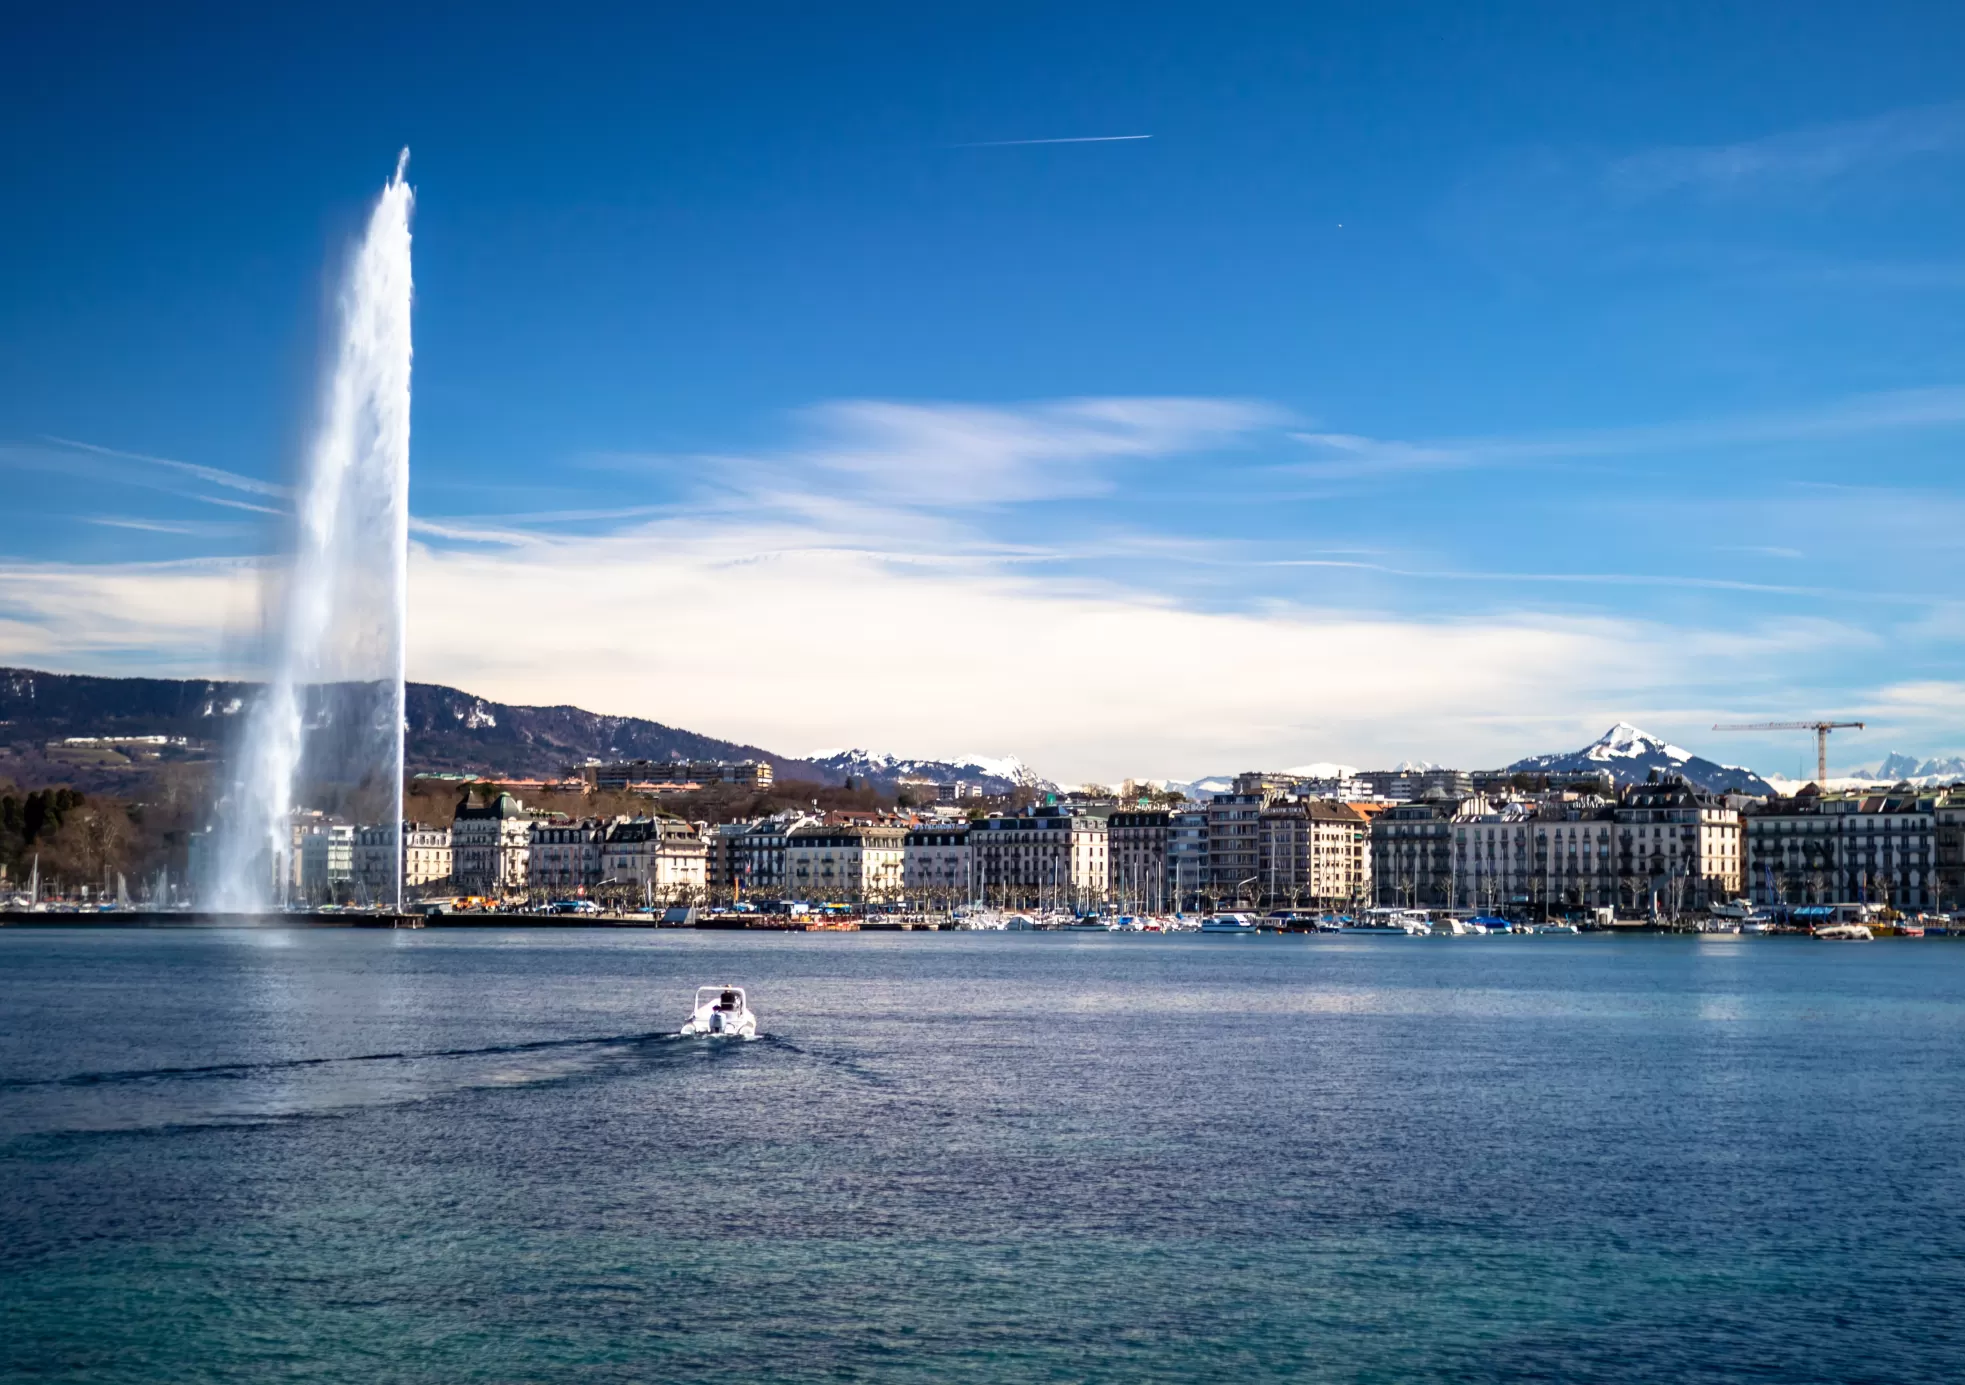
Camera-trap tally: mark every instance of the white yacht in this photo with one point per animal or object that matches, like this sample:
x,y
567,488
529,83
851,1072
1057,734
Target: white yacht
x,y
721,1011
1846,933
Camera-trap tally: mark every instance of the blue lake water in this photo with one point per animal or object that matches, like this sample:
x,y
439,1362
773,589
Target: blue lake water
x,y
473,1155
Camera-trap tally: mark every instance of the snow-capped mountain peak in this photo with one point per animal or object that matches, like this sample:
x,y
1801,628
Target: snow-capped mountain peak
x,y
1322,769
1898,768
1626,742
1629,755
998,773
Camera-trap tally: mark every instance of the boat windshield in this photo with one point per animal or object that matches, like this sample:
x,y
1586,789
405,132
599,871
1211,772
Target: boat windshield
x,y
723,997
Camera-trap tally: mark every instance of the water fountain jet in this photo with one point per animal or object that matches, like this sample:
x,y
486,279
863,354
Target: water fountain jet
x,y
329,722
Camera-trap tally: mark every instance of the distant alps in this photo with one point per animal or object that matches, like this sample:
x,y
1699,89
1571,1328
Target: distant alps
x,y
1629,756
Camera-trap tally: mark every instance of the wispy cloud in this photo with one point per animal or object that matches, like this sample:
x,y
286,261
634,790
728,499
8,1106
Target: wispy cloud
x,y
927,508
1796,157
915,677
212,475
1345,455
187,528
1069,139
942,455
1608,579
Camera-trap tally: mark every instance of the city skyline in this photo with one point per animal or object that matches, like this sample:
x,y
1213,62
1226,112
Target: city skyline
x,y
1351,416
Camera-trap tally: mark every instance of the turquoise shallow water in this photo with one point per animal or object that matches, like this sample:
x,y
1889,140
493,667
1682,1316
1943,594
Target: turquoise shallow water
x,y
473,1156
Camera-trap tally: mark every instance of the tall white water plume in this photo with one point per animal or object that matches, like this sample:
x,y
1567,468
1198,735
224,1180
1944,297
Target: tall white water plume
x,y
328,730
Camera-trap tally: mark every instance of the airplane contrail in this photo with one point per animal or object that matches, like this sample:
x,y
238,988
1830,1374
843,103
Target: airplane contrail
x,y
1075,139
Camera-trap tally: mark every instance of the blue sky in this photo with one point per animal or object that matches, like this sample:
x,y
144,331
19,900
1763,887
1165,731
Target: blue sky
x,y
1429,384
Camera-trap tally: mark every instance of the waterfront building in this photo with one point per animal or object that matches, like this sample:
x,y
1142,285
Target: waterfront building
x,y
1312,852
1048,857
662,859
1948,836
1187,856
1555,854
1412,855
1137,842
425,853
491,846
1678,847
1234,844
720,869
935,864
327,863
757,857
1857,846
564,857
851,863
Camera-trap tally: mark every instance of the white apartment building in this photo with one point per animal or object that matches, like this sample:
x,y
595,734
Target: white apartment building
x,y
935,863
664,859
1049,858
1677,846
1522,854
846,864
425,853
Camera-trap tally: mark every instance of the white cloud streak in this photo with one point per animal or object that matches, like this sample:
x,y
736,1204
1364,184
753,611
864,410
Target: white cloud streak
x,y
956,455
1071,139
1792,158
1349,455
212,475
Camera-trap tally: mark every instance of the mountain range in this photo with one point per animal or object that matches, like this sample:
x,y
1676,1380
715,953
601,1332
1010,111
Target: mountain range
x,y
1629,756
1897,769
448,730
453,731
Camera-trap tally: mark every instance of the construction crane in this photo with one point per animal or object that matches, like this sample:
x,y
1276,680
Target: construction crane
x,y
1821,730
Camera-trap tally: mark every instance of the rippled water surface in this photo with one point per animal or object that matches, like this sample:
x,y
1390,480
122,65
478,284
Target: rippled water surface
x,y
475,1155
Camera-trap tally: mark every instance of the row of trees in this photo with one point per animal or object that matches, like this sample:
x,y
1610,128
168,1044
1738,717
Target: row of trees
x,y
71,840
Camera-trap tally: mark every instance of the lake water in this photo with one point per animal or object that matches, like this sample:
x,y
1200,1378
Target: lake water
x,y
472,1155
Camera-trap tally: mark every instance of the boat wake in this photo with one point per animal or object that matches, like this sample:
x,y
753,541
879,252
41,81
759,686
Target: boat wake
x,y
239,1070
276,1090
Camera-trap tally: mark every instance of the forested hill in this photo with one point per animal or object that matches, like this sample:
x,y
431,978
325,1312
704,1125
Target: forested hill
x,y
448,729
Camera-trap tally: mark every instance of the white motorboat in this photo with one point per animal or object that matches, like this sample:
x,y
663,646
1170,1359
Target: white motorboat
x,y
721,1012
1845,933
1405,922
1228,923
